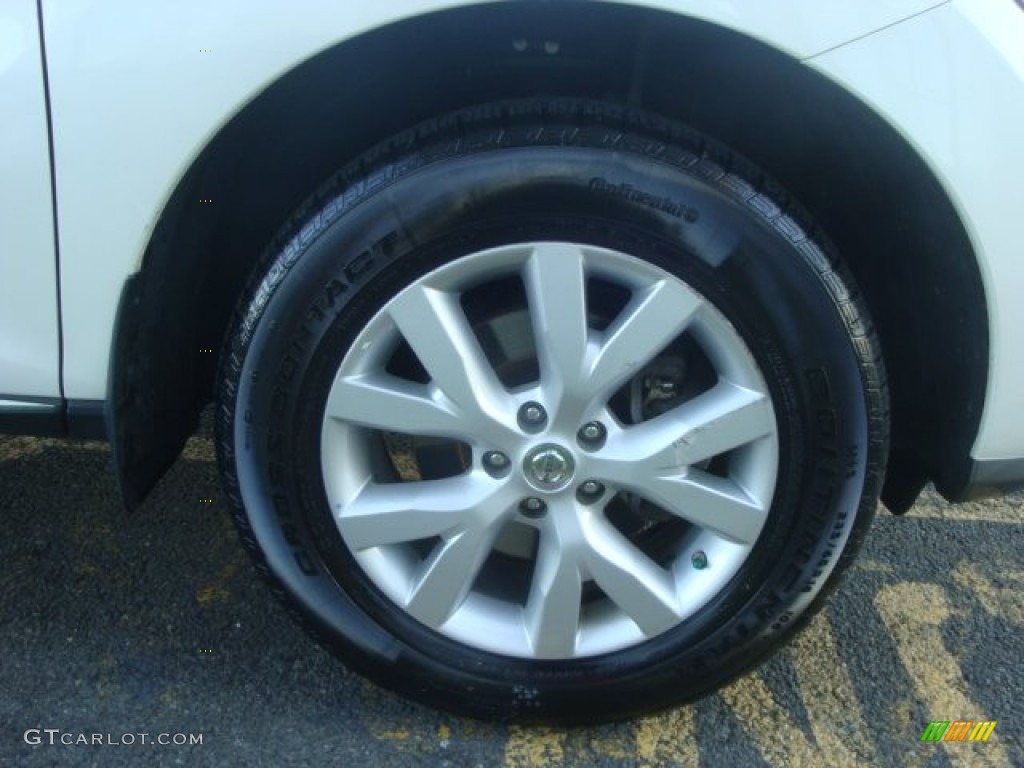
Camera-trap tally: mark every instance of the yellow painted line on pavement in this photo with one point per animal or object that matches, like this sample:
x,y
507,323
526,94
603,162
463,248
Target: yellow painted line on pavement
x,y
831,701
668,740
771,727
874,566
199,449
914,614
534,747
1002,602
600,743
13,448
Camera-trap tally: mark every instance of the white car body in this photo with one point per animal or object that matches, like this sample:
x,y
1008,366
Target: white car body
x,y
136,91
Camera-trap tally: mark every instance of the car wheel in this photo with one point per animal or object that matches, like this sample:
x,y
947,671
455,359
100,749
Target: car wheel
x,y
552,411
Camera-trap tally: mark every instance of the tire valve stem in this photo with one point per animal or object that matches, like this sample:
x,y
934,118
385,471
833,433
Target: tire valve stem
x,y
699,560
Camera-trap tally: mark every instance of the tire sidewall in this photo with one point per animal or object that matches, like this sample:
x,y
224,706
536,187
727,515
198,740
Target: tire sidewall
x,y
378,235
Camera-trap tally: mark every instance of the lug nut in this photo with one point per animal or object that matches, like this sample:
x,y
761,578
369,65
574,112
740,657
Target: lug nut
x,y
592,435
532,416
533,507
590,491
496,463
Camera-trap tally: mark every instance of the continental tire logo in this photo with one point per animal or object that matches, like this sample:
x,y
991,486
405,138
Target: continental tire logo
x,y
655,201
958,730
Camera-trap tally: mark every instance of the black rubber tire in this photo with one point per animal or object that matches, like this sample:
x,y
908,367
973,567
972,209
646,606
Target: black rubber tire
x,y
583,172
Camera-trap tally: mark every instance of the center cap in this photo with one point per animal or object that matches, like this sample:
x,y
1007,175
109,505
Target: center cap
x,y
549,467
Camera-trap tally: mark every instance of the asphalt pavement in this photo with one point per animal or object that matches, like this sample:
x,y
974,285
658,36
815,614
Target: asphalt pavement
x,y
115,625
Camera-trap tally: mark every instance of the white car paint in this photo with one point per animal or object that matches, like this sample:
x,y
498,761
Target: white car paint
x,y
29,351
952,82
801,28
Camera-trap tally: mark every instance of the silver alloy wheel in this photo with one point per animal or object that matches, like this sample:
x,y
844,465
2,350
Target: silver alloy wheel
x,y
707,464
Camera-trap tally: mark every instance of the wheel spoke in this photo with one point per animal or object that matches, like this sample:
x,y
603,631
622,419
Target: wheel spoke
x,y
553,608
449,573
634,582
556,290
725,417
436,328
715,503
655,316
388,403
400,512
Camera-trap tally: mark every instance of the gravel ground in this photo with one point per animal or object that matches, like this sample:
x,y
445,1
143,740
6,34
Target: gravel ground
x,y
155,623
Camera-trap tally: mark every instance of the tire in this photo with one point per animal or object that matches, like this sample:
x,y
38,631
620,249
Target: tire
x,y
552,411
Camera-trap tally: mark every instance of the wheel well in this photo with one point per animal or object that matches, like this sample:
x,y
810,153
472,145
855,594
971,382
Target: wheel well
x,y
859,179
